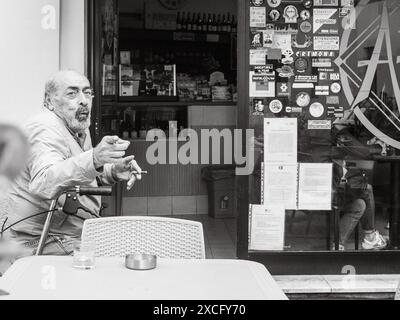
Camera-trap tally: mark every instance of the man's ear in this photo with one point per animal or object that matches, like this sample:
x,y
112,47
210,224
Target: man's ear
x,y
49,103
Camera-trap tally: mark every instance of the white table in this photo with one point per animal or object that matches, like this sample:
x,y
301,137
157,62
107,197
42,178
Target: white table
x,y
49,277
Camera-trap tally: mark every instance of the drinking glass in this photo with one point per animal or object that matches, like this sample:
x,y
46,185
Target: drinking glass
x,y
84,254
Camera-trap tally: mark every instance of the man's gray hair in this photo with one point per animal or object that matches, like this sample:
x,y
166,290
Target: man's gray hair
x,y
53,83
49,90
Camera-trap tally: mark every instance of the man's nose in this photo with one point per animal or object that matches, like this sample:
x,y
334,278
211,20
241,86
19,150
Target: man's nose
x,y
83,100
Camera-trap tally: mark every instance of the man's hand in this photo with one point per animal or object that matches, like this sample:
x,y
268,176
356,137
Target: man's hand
x,y
109,150
127,170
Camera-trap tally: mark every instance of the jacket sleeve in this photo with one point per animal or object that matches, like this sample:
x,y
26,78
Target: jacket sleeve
x,y
52,167
107,178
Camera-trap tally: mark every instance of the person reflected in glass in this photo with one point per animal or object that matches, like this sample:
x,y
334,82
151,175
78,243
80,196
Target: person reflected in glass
x,y
359,206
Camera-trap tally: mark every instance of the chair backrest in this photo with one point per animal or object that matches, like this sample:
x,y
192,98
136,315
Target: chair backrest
x,y
163,237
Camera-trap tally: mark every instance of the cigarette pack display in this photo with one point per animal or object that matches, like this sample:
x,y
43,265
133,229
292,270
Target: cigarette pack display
x,y
221,93
147,81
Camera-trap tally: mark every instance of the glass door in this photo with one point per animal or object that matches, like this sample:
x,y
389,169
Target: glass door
x,y
323,101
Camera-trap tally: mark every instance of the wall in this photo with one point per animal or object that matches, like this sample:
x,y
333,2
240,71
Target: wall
x,y
73,51
29,46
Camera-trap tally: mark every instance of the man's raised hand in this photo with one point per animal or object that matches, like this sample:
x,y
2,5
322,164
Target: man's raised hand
x,y
110,150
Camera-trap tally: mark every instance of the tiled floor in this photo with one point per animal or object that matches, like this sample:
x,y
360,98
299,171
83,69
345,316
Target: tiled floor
x,y
219,236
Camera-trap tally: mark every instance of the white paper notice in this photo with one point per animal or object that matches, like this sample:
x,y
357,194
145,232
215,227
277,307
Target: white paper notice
x,y
280,140
315,186
267,228
280,185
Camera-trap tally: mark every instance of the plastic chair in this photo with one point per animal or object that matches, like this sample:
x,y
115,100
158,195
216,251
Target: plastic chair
x,y
164,237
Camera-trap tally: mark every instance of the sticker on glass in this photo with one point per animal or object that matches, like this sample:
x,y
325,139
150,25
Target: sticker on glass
x,y
305,15
336,87
290,14
303,99
288,59
257,3
301,65
274,3
306,27
275,106
317,110
274,15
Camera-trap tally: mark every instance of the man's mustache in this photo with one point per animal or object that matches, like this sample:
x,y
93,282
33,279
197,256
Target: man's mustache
x,y
82,110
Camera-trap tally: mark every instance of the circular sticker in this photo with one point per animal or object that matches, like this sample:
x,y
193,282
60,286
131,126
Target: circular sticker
x,y
305,15
307,4
274,15
317,110
306,27
275,106
301,65
336,87
303,99
274,3
258,2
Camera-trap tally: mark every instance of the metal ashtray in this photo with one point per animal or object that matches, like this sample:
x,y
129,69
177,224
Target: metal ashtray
x,y
141,261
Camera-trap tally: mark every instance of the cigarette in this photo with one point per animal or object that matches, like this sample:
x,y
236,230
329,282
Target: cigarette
x,y
141,172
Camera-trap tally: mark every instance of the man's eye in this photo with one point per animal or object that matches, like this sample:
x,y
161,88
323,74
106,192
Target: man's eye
x,y
71,94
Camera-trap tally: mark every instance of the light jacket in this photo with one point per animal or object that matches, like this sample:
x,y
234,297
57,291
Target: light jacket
x,y
56,162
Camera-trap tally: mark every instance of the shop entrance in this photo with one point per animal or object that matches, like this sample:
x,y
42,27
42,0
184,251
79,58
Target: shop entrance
x,y
333,95
161,68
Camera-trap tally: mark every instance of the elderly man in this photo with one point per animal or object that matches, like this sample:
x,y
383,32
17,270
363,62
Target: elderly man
x,y
62,156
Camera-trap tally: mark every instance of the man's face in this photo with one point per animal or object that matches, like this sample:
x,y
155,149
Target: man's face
x,y
73,101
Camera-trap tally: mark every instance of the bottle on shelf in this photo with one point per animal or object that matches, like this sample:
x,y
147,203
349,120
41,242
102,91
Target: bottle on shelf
x,y
194,22
199,22
218,23
204,23
214,23
188,22
209,23
183,22
223,24
228,24
233,25
178,21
